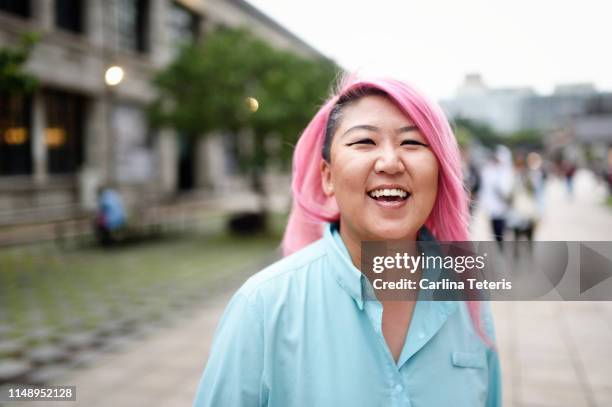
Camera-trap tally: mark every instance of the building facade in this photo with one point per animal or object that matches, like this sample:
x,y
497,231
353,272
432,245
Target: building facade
x,y
76,132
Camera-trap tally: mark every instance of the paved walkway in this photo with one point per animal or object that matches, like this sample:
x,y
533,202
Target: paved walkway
x,y
161,369
559,353
552,353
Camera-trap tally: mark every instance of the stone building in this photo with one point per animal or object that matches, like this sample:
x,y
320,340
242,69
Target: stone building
x,y
502,109
508,110
76,132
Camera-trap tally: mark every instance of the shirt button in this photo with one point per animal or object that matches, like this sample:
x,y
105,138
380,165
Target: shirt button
x,y
421,335
398,388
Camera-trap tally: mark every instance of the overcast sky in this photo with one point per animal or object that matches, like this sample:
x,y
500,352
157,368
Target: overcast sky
x,y
434,43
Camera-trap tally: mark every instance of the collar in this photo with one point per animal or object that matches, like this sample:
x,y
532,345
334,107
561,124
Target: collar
x,y
345,273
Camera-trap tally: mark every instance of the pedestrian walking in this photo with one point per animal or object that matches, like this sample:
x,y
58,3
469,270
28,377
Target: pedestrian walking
x,y
524,213
496,190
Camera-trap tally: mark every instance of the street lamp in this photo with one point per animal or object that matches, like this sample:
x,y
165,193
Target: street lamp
x,y
252,104
113,75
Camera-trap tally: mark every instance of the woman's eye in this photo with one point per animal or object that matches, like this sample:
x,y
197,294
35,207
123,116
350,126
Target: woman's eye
x,y
413,143
362,141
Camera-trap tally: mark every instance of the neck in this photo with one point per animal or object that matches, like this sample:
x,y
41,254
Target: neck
x,y
353,244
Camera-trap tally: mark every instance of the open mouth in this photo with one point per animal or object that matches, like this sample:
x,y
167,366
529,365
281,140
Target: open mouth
x,y
389,194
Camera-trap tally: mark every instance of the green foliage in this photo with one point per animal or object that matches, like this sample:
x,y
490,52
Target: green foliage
x,y
12,78
526,139
463,135
205,89
467,129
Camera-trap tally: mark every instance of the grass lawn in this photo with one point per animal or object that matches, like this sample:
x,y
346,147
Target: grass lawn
x,y
59,291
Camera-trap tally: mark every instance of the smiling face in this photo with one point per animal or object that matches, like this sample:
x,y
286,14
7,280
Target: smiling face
x,y
382,173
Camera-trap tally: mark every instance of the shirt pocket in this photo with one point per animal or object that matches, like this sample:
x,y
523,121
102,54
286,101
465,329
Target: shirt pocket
x,y
469,377
475,360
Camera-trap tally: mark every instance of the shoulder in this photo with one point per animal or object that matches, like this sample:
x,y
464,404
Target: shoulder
x,y
286,271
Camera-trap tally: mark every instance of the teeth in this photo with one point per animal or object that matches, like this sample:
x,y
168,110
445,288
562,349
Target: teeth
x,y
377,193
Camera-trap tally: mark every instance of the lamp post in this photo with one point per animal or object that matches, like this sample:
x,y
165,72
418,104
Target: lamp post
x,y
113,76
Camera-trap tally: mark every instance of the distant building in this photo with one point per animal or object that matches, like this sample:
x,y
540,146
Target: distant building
x,y
512,109
562,107
592,133
76,132
502,109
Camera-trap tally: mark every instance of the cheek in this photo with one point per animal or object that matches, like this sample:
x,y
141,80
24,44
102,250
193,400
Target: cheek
x,y
349,173
424,172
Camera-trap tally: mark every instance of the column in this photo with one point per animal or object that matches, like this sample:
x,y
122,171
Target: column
x,y
96,17
43,12
39,147
161,54
167,153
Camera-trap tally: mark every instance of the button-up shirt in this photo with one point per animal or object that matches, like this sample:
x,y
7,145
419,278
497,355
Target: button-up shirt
x,y
302,332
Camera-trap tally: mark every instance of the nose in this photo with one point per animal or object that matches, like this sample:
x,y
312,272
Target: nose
x,y
389,162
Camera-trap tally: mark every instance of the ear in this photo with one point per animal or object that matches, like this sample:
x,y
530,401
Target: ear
x,y
326,179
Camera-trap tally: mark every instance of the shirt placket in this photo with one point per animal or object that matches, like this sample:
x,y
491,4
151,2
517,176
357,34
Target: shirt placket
x,y
398,395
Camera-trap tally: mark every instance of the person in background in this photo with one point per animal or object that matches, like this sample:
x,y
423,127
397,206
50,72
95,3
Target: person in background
x,y
569,170
110,217
536,169
496,190
608,174
524,213
471,177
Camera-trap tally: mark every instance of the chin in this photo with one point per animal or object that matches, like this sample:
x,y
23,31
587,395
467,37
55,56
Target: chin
x,y
392,232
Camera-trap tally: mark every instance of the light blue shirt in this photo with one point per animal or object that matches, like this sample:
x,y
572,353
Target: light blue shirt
x,y
301,333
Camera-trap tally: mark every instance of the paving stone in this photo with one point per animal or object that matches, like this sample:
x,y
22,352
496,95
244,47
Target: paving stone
x,y
48,354
47,374
41,335
11,348
117,343
5,331
110,327
13,370
80,340
85,358
75,323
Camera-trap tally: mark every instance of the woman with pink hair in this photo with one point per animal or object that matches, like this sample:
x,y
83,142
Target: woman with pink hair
x,y
377,162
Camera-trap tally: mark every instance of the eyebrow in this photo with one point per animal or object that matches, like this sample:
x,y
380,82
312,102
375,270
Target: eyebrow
x,y
404,129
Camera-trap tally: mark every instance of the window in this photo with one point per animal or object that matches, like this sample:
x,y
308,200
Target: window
x,y
184,24
69,15
17,7
132,24
64,131
130,137
15,135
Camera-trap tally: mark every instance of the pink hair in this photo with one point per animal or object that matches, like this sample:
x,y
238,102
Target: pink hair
x,y
448,220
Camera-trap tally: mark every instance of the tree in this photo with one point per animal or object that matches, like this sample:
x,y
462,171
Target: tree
x,y
468,129
527,139
13,80
206,88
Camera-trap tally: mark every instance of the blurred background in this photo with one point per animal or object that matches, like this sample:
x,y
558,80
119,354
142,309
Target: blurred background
x,y
145,155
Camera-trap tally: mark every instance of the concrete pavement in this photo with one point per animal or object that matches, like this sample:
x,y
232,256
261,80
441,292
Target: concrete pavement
x,y
559,353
